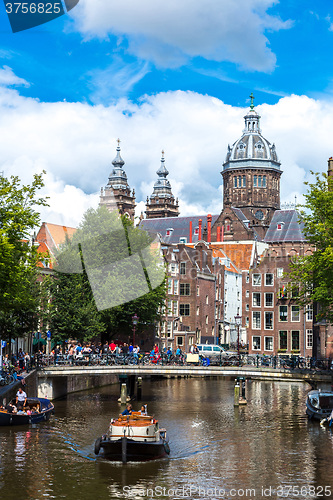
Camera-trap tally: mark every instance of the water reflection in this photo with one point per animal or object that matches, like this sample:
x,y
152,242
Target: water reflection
x,y
213,444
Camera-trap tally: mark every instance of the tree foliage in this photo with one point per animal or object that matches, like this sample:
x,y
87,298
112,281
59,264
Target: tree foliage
x,y
19,289
314,272
104,275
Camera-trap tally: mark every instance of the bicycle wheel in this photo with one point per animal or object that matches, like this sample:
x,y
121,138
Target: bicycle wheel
x,y
9,379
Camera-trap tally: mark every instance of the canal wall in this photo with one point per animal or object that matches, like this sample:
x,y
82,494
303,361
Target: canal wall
x,y
56,387
29,385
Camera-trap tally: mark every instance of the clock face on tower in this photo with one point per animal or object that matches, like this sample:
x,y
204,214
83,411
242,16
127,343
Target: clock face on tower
x,y
259,214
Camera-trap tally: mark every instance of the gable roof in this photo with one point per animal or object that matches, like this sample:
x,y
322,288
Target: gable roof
x,y
50,237
285,226
179,227
242,254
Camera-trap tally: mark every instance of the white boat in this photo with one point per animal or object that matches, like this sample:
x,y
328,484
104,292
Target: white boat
x,y
319,404
133,437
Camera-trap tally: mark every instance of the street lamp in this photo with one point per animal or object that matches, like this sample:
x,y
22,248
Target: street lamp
x,y
135,320
238,320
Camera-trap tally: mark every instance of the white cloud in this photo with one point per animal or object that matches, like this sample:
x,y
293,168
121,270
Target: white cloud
x,y
168,33
8,77
76,142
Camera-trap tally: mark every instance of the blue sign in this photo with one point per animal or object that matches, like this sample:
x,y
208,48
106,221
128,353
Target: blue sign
x,y
48,333
3,344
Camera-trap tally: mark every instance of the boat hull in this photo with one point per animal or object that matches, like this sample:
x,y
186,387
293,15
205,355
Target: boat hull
x,y
319,405
134,450
47,409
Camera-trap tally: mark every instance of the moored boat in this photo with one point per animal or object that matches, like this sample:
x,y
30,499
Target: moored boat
x,y
40,410
319,404
133,437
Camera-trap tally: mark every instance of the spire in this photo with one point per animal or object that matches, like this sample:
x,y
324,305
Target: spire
x,y
252,97
162,202
118,177
118,161
162,171
162,187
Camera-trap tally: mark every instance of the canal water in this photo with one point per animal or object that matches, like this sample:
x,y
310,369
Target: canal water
x,y
267,449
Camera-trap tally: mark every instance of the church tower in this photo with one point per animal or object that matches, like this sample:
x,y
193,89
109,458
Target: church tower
x,y
162,203
117,193
251,175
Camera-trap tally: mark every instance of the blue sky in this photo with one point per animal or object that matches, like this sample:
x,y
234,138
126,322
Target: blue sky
x,y
61,63
123,63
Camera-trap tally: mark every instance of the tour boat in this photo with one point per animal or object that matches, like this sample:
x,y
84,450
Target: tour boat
x,y
319,404
133,437
44,409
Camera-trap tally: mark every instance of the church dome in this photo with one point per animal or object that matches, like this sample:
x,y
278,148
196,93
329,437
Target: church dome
x,y
252,149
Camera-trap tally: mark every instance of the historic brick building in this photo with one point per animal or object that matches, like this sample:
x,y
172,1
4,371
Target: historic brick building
x,y
275,323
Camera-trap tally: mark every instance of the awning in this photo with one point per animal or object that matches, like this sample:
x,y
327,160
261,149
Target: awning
x,y
39,341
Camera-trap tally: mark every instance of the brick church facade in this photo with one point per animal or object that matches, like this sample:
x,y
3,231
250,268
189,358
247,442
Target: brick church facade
x,y
233,263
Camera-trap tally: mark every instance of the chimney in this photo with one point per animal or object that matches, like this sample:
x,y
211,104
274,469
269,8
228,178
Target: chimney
x,y
200,226
190,238
209,228
218,233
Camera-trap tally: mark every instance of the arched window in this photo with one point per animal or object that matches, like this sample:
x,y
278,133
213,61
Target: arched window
x,y
244,181
255,181
264,181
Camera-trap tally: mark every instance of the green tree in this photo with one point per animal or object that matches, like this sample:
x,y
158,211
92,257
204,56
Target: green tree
x,y
105,273
314,273
19,288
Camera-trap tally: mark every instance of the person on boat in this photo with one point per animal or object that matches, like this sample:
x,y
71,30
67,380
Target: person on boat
x,y
11,408
128,410
21,399
143,410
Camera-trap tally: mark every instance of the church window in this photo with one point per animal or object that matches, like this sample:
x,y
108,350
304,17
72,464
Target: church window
x,y
244,181
264,181
235,181
259,180
239,181
255,181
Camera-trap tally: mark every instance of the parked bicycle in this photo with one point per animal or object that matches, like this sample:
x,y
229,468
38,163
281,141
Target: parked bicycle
x,y
6,378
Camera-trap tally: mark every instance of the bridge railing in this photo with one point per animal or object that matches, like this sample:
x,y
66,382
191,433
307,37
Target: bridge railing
x,y
251,360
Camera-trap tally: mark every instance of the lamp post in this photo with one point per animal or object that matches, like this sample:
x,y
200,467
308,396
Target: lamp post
x,y
135,320
238,320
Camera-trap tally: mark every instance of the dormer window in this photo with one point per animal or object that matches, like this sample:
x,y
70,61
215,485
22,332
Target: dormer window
x,y
169,231
279,226
196,231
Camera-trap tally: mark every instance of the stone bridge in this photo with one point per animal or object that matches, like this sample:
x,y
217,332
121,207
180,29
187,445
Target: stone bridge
x,y
57,381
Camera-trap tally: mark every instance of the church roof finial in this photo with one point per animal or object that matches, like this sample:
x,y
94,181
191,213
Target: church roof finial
x,y
252,97
118,162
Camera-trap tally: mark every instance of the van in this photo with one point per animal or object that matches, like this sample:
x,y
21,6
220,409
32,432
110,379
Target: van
x,y
210,350
213,350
